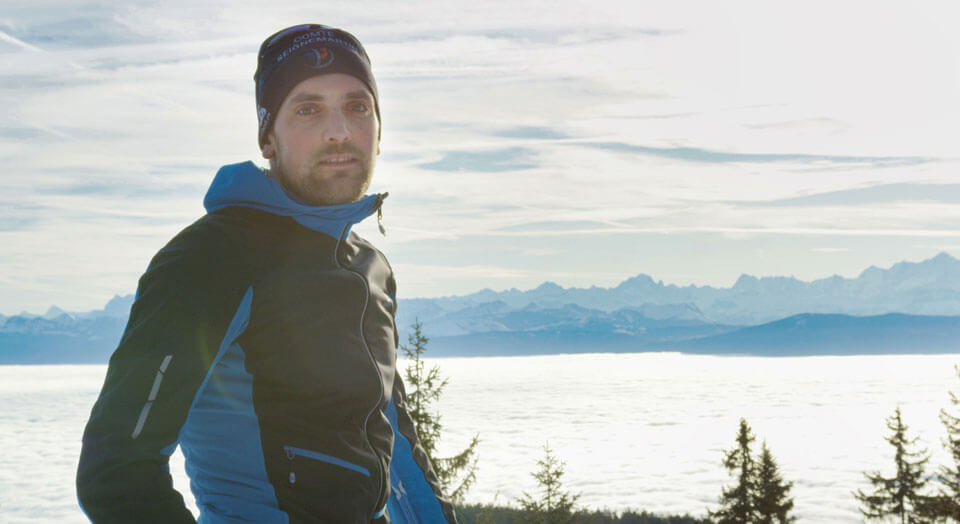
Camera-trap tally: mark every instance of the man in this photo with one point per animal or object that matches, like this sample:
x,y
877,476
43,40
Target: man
x,y
262,339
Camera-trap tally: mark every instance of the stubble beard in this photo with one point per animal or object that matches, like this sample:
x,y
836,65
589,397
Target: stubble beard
x,y
325,186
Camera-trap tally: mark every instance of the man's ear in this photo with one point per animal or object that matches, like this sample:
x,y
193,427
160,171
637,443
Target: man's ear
x,y
267,149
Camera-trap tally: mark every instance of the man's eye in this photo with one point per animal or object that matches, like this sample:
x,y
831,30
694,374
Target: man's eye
x,y
359,107
306,110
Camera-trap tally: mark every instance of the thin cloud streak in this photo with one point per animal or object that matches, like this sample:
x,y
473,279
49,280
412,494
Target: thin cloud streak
x,y
691,154
826,232
497,272
19,43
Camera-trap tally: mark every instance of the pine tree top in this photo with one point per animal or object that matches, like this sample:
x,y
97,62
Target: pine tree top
x,y
554,504
899,495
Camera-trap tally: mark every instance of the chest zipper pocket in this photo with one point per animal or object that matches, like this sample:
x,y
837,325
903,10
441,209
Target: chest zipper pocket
x,y
293,452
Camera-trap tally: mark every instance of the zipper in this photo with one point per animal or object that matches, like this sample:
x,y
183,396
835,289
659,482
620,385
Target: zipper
x,y
383,230
381,474
405,502
293,452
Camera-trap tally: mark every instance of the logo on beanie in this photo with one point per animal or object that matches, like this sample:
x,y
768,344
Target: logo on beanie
x,y
286,32
318,58
262,115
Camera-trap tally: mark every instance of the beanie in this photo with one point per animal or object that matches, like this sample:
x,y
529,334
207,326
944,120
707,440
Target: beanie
x,y
296,53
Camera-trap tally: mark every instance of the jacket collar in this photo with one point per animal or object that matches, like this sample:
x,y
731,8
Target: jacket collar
x,y
247,185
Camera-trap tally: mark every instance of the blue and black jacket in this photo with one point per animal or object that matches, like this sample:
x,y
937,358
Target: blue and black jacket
x,y
262,342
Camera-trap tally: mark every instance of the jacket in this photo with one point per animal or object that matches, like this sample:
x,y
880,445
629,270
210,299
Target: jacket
x,y
261,341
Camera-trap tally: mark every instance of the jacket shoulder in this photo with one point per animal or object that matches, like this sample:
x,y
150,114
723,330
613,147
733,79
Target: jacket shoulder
x,y
212,251
227,234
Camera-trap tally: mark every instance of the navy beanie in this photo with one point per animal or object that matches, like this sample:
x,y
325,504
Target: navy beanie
x,y
296,53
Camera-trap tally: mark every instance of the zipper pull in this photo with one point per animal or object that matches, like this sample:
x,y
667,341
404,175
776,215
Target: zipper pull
x,y
383,230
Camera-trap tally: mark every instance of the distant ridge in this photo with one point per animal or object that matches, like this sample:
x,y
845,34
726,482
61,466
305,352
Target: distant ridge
x,y
800,335
817,334
909,308
59,337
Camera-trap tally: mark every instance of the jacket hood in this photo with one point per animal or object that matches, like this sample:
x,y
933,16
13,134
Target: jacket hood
x,y
247,185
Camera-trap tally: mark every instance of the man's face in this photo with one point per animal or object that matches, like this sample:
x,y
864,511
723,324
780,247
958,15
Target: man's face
x,y
323,144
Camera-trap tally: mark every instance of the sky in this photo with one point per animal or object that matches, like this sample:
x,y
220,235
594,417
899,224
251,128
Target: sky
x,y
577,142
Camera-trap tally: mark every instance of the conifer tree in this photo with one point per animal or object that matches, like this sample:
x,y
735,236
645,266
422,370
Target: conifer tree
x,y
772,498
425,386
945,505
897,496
554,505
486,517
737,504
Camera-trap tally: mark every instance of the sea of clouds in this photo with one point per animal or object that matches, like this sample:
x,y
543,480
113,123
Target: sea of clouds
x,y
643,431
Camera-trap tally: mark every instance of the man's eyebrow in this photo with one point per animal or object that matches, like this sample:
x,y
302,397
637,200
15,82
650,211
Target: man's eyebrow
x,y
312,97
306,97
359,93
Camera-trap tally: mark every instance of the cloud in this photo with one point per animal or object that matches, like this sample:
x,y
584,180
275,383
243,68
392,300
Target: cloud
x,y
511,159
13,223
740,231
495,277
4,37
799,124
692,154
20,133
879,194
530,132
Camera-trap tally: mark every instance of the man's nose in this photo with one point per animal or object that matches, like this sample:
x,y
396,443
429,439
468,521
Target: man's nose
x,y
336,130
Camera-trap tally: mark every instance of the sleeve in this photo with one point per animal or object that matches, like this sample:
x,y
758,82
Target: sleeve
x,y
184,307
415,492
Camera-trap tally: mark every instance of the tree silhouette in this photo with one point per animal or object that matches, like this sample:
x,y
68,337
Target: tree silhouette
x,y
773,503
737,501
554,505
897,496
425,386
945,505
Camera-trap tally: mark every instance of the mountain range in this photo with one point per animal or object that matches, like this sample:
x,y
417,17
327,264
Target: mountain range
x,y
909,307
930,287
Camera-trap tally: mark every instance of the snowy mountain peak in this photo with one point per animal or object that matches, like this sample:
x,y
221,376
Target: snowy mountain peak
x,y
746,281
119,306
548,287
54,312
640,281
942,263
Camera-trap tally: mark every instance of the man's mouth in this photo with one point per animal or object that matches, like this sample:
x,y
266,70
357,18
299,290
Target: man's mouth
x,y
337,160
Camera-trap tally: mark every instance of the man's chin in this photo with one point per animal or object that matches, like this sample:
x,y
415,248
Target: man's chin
x,y
333,196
